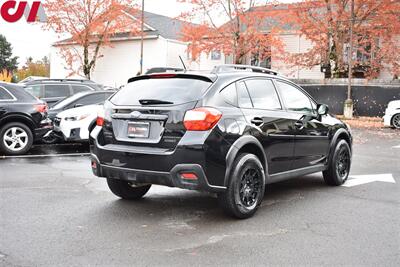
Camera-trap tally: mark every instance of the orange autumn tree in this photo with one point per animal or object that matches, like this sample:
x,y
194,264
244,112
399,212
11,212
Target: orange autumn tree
x,y
326,23
89,24
243,35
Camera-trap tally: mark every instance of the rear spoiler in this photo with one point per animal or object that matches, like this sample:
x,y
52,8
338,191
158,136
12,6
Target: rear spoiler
x,y
173,75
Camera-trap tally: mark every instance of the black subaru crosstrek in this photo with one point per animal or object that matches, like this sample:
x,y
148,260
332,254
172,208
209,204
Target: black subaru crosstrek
x,y
23,119
231,131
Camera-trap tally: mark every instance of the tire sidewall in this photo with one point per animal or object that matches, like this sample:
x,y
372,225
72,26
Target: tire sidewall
x,y
392,122
28,131
245,162
339,145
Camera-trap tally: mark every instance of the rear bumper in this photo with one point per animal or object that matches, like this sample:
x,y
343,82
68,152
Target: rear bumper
x,y
172,178
45,127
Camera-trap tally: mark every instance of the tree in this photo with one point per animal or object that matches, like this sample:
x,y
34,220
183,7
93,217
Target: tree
x,y
7,62
90,25
243,35
327,22
39,68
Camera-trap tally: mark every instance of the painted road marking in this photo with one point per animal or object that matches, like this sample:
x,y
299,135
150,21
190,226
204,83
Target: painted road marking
x,y
355,180
396,146
45,156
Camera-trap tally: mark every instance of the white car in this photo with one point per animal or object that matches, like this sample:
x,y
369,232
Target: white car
x,y
392,114
73,124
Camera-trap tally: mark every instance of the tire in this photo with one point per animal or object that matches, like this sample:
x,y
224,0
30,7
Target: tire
x,y
126,190
246,187
15,139
339,165
396,121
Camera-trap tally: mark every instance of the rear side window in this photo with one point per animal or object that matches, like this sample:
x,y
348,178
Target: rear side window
x,y
4,95
263,94
174,90
34,90
244,100
229,94
56,90
80,88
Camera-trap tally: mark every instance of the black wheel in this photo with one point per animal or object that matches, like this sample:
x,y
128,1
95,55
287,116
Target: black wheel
x,y
127,190
246,187
396,121
339,165
15,138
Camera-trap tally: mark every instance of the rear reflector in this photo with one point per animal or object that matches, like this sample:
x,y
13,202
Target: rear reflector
x,y
188,176
201,119
100,118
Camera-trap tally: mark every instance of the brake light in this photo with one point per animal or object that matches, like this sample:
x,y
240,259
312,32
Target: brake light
x,y
42,107
188,176
201,119
163,75
100,118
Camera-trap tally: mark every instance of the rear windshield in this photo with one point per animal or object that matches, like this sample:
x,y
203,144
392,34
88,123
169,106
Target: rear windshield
x,y
173,90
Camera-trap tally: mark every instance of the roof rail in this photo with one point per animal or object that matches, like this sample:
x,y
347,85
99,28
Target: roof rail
x,y
61,80
237,67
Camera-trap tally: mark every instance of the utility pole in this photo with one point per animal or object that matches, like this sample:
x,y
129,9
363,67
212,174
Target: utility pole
x,y
348,104
142,39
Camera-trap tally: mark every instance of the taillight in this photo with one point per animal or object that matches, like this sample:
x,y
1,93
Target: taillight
x,y
201,119
100,118
42,107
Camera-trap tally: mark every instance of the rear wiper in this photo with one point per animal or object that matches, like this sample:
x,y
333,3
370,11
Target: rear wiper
x,y
154,102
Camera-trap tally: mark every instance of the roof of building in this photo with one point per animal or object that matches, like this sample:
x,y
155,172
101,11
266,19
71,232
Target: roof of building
x,y
154,25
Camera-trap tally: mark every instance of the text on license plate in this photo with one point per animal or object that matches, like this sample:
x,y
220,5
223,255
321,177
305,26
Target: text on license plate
x,y
138,129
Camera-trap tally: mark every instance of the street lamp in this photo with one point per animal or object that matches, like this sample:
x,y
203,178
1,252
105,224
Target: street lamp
x,y
142,39
348,104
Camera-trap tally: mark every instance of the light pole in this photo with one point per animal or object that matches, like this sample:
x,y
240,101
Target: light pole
x,y
348,104
142,39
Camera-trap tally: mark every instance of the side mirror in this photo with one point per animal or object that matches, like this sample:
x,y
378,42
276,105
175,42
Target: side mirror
x,y
322,109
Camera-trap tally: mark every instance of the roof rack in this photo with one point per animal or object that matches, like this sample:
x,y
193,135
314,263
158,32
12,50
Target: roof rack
x,y
236,67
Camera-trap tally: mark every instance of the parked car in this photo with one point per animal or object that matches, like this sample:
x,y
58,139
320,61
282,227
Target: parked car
x,y
78,100
23,119
231,132
392,114
53,90
75,124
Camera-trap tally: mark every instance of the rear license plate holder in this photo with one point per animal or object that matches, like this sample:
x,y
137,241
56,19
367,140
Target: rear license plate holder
x,y
138,129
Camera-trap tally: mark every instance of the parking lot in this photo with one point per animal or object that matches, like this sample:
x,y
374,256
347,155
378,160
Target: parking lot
x,y
54,212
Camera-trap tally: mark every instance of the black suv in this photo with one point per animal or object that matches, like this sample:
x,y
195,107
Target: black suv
x,y
231,132
23,119
53,90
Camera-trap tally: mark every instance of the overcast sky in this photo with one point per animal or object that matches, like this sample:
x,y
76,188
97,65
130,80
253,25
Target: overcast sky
x,y
30,40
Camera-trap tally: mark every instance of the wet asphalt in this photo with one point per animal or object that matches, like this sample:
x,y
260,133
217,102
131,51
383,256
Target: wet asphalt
x,y
54,212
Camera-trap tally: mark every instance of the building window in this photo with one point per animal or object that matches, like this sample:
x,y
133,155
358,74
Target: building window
x,y
216,55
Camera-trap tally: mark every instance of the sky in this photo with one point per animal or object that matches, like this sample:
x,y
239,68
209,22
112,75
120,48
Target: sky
x,y
29,40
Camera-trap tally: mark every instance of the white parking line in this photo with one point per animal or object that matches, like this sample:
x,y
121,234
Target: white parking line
x,y
355,180
396,146
45,156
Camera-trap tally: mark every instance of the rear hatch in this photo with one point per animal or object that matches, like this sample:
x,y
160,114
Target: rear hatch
x,y
149,111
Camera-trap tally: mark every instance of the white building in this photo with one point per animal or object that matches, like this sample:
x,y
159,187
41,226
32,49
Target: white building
x,y
162,48
121,60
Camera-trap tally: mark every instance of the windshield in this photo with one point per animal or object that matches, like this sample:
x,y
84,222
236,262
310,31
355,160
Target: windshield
x,y
160,91
65,102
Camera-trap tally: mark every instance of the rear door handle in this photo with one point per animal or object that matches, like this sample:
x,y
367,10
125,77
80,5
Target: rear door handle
x,y
257,121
